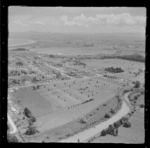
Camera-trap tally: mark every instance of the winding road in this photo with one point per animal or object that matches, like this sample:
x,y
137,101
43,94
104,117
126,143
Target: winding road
x,y
87,134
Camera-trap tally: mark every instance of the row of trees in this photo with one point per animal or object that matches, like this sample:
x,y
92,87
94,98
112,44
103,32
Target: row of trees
x,y
137,58
14,73
113,129
20,49
78,62
31,129
110,130
16,81
114,70
87,101
107,76
36,87
18,73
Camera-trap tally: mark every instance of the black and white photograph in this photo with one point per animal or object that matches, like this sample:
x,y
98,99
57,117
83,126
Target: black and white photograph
x,y
76,74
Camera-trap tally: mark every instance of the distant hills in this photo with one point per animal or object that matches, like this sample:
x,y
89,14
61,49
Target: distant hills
x,y
20,49
45,35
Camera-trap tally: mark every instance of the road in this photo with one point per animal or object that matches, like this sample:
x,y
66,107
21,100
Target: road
x,y
127,100
87,134
12,124
72,78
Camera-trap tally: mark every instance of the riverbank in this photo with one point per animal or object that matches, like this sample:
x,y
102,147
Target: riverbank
x,y
20,43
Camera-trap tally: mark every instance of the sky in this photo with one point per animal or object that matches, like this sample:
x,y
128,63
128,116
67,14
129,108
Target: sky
x,y
77,19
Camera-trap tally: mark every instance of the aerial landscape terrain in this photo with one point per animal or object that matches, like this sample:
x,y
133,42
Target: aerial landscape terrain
x,y
76,87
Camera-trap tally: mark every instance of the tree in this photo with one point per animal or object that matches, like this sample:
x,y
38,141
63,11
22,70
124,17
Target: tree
x,y
82,121
123,120
34,80
117,124
127,124
103,133
115,132
27,112
51,56
137,84
38,86
34,87
107,115
110,130
19,63
32,118
141,105
31,130
112,111
135,98
12,139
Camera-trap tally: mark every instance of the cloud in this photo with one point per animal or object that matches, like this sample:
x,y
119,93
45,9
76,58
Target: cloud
x,y
81,20
37,22
27,20
73,22
19,22
104,19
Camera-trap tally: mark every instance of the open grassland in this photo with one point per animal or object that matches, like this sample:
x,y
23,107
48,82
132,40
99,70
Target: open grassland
x,y
63,109
63,96
84,122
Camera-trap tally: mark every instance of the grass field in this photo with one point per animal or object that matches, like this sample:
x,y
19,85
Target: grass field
x,y
61,102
